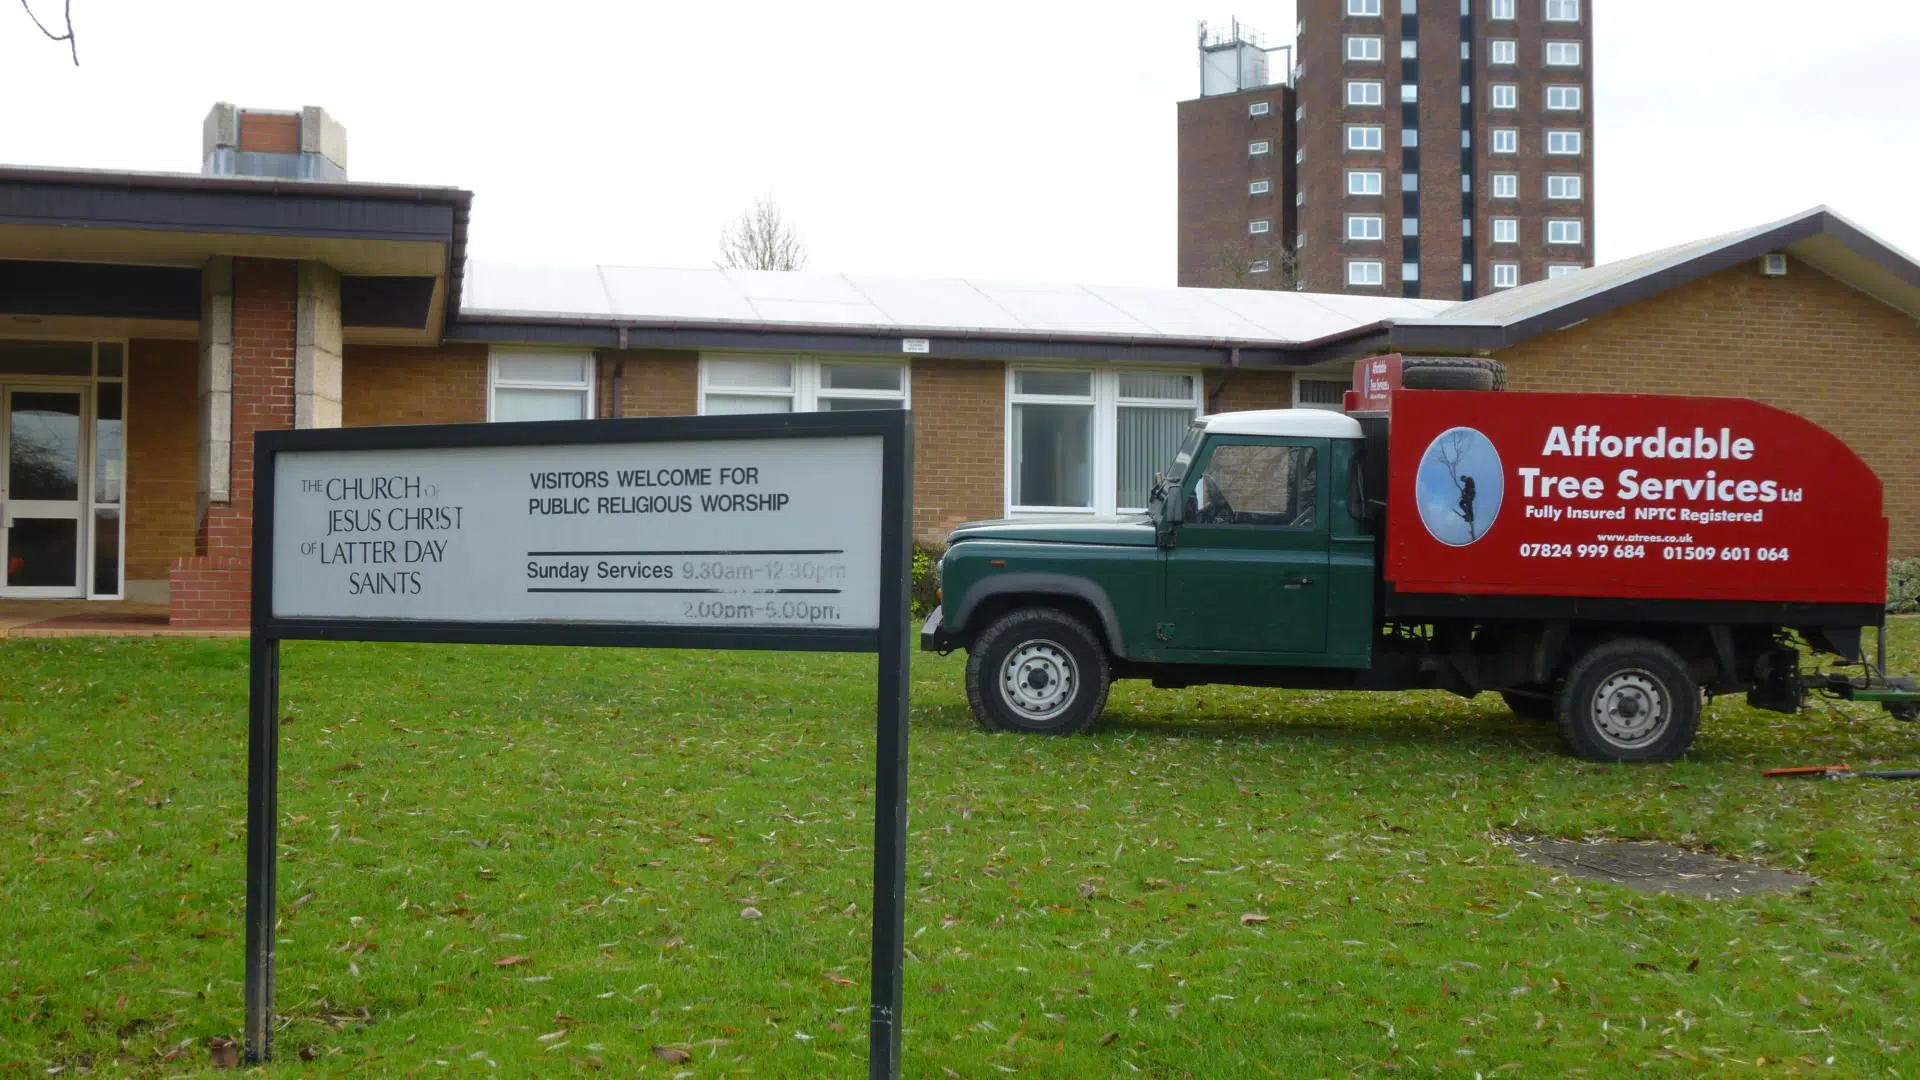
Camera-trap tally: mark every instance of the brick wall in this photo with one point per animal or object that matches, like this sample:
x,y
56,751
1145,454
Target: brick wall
x,y
1804,342
210,587
1215,202
270,133
959,444
381,385
162,439
653,382
1235,391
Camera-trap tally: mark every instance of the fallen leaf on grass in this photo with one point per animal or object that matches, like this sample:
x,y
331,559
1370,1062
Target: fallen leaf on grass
x,y
307,1054
512,961
225,1053
1252,918
749,912
671,1054
837,980
1108,1038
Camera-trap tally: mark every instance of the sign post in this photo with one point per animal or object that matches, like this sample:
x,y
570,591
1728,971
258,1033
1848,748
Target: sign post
x,y
788,532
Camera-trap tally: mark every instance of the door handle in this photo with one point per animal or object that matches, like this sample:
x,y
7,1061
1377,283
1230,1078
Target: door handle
x,y
1295,581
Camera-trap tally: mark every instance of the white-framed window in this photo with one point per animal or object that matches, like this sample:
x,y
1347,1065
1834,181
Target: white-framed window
x,y
538,384
1409,93
1466,138
1363,48
1466,47
1506,140
1363,7
1500,9
1258,147
1466,183
1506,185
1563,10
1365,227
1563,231
1563,187
1299,240
1089,440
1300,155
1409,271
1260,266
1506,230
1466,271
1259,225
1409,137
1363,92
1563,54
1299,113
1563,142
1563,98
1409,226
1363,182
1299,198
1506,96
1259,108
1503,52
1506,275
1259,187
1555,270
1364,137
1409,7
1320,393
1409,49
1364,272
1466,226
1409,181
775,383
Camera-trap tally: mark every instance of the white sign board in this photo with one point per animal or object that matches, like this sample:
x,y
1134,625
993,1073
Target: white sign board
x,y
741,533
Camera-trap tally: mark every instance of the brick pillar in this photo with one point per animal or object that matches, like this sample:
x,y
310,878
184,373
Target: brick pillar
x,y
211,587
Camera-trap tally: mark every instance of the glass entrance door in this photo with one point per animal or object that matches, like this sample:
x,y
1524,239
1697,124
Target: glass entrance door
x,y
41,496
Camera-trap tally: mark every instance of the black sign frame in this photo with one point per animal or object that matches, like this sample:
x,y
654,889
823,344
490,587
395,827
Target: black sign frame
x,y
894,427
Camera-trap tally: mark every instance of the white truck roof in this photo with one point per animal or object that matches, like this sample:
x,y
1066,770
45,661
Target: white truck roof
x,y
1302,423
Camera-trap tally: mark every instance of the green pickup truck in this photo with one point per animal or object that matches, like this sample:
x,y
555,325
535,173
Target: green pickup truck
x,y
1270,555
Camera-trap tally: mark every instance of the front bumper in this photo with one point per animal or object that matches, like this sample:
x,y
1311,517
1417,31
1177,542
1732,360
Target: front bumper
x,y
934,636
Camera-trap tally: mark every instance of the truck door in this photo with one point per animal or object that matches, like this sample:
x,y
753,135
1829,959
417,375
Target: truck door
x,y
1247,571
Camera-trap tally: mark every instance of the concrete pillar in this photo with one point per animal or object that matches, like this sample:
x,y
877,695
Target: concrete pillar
x,y
317,345
216,381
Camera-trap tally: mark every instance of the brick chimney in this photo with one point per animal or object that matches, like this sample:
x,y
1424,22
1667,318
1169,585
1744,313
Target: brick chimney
x,y
304,145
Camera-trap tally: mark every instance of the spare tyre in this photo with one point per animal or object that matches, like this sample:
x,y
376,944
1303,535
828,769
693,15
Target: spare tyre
x,y
1452,373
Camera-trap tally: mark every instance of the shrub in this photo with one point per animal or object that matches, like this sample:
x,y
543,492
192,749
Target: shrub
x,y
1903,586
926,578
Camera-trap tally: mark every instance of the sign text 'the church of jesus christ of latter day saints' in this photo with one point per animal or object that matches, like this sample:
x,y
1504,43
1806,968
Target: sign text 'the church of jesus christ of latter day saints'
x,y
754,532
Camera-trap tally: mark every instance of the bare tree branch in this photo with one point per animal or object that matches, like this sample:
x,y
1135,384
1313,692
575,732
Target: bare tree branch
x,y
67,11
761,239
1234,263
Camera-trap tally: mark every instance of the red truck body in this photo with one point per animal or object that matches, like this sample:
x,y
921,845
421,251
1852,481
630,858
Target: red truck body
x,y
1631,496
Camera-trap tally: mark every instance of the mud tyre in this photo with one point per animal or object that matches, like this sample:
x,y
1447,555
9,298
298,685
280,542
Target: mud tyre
x,y
1037,671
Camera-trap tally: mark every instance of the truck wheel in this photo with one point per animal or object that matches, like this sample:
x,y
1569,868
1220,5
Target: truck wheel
x,y
1038,671
1535,708
1452,373
1629,699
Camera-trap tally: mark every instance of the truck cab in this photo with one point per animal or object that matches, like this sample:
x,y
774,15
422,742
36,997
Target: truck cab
x,y
1252,553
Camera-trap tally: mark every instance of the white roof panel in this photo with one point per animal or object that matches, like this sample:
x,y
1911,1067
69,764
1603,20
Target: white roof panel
x,y
646,294
771,300
537,290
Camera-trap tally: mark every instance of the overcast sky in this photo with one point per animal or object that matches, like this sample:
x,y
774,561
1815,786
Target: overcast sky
x,y
1030,140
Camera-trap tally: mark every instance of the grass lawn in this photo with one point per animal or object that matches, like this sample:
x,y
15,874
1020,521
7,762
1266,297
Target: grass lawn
x,y
503,860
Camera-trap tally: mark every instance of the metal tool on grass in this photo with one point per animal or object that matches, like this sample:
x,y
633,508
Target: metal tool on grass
x,y
1843,771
